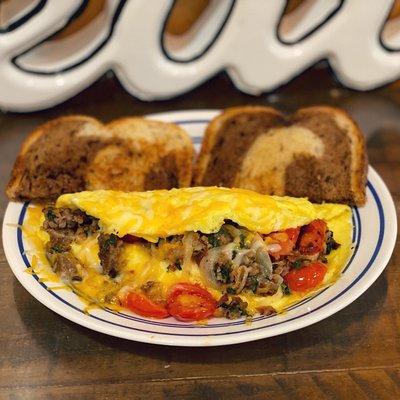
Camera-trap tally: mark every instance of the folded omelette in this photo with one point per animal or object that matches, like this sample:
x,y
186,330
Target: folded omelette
x,y
191,253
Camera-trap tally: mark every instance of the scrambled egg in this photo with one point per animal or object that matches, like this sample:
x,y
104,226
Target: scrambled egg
x,y
163,213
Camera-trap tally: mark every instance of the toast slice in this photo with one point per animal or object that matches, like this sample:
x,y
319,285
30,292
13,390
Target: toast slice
x,y
319,153
75,153
143,155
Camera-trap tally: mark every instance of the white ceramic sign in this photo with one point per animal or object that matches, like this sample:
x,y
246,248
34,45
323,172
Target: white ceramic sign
x,y
243,37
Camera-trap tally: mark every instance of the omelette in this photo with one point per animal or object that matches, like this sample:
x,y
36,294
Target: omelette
x,y
191,253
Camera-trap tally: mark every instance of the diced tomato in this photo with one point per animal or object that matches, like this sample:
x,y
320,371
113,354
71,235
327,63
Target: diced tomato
x,y
312,237
188,302
142,305
132,239
285,239
306,278
293,234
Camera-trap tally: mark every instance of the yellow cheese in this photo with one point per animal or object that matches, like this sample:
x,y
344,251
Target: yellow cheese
x,y
162,213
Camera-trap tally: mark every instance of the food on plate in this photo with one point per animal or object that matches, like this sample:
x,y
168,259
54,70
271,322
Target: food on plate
x,y
318,152
191,253
76,153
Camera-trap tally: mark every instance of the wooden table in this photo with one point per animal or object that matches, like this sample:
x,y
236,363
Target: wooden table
x,y
353,354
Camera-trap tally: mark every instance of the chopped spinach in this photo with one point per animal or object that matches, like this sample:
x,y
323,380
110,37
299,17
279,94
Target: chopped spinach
x,y
298,263
252,283
225,273
222,273
235,308
213,239
285,289
331,243
50,215
56,249
216,239
112,240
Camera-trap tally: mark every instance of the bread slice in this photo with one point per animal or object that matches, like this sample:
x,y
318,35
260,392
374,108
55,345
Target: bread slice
x,y
319,153
75,153
143,155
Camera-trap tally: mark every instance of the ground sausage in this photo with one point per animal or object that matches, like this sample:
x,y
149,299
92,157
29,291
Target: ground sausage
x,y
66,266
110,247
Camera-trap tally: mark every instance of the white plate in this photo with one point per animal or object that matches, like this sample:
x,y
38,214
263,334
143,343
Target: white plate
x,y
374,235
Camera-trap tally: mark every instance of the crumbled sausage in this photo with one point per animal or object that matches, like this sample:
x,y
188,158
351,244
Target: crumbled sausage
x,y
266,310
110,247
233,309
66,265
153,290
220,238
69,222
174,255
64,226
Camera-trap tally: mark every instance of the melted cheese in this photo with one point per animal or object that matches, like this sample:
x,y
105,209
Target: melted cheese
x,y
154,214
162,213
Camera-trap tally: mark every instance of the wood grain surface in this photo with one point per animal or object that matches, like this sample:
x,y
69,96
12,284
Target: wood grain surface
x,y
354,354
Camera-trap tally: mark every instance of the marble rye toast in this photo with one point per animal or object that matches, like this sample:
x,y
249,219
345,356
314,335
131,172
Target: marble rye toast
x,y
76,153
318,152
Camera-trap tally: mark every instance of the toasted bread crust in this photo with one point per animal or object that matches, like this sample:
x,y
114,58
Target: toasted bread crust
x,y
172,157
352,192
359,158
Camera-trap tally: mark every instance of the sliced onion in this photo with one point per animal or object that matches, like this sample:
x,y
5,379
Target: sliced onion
x,y
277,279
188,244
257,242
239,256
234,232
227,250
262,255
240,274
264,260
123,293
207,265
274,248
244,280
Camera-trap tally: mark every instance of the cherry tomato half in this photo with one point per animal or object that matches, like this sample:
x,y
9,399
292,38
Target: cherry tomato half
x,y
286,239
142,305
312,237
188,302
306,278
